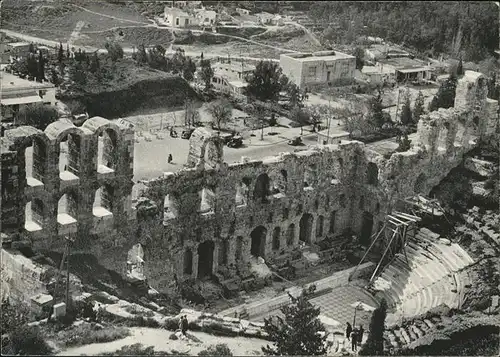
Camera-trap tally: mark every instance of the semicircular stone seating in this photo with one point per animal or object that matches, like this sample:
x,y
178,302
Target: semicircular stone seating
x,y
428,279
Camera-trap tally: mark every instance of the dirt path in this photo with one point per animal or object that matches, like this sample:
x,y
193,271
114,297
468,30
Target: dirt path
x,y
159,339
109,16
307,31
76,32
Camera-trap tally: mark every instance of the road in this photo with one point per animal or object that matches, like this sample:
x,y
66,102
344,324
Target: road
x,y
151,157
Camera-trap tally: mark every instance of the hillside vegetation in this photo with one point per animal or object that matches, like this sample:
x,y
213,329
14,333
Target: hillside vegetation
x,y
467,29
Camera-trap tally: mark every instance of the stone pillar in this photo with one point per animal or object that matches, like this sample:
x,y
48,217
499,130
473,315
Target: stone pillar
x,y
215,258
313,229
231,251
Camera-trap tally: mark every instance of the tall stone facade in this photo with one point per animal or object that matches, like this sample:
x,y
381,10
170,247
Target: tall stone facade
x,y
215,218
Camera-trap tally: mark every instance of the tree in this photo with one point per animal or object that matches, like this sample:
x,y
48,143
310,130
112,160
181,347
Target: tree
x,y
94,65
140,56
38,115
31,48
220,349
206,73
404,144
406,115
419,107
375,114
445,97
188,69
353,118
178,60
60,53
264,83
41,67
295,97
300,332
299,116
460,68
375,343
68,54
115,51
192,115
316,114
26,340
21,66
54,77
221,111
359,53
32,65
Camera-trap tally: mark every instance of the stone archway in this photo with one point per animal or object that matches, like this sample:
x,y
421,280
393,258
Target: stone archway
x,y
205,259
305,227
366,228
261,188
258,247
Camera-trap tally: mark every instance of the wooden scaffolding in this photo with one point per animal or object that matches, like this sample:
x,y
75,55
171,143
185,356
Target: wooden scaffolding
x,y
392,237
419,205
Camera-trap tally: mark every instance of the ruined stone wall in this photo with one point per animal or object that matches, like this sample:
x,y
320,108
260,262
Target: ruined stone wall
x,y
83,174
216,218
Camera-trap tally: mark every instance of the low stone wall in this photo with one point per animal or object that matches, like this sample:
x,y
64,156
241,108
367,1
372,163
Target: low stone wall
x,y
21,278
259,308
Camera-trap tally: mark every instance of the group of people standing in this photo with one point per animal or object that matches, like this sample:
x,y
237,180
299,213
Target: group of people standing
x,y
354,335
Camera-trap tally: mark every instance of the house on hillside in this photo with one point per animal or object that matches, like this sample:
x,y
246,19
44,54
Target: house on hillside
x,y
230,78
178,18
265,18
318,68
17,92
378,74
17,49
206,17
242,11
407,69
383,51
182,4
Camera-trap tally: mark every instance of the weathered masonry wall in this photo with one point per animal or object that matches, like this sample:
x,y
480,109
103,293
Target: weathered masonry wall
x,y
50,191
212,217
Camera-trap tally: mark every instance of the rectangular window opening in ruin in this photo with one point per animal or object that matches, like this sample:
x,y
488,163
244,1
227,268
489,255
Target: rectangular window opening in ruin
x,y
33,216
107,155
207,201
103,203
35,160
169,208
69,158
67,210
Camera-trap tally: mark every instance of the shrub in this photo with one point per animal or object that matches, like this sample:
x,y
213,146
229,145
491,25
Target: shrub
x,y
171,324
26,340
85,334
218,330
217,350
133,350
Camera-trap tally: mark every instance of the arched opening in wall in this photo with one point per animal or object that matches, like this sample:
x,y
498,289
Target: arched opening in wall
x,y
69,156
333,217
372,174
169,207
342,201
305,227
67,208
207,201
188,262
290,235
34,215
242,193
239,248
258,246
319,226
35,161
205,259
419,185
135,262
366,228
103,201
223,252
261,189
276,238
211,155
286,213
279,183
310,176
107,151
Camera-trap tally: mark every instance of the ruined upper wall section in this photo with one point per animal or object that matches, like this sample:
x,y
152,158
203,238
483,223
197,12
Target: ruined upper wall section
x,y
40,167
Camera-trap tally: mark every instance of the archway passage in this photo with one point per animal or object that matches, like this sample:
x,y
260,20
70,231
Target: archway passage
x,y
305,227
276,238
366,228
69,156
107,151
205,259
258,246
36,160
372,174
188,262
261,190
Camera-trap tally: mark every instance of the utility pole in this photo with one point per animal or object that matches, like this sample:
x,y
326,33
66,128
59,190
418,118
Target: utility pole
x,y
397,105
329,120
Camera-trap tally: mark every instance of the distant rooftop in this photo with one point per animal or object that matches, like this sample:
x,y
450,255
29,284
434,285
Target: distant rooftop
x,y
11,82
18,44
315,56
404,63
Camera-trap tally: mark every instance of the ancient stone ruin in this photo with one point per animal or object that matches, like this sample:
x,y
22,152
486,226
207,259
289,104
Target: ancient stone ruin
x,y
215,218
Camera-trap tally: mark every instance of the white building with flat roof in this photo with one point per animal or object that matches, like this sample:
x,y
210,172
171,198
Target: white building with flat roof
x,y
318,68
17,92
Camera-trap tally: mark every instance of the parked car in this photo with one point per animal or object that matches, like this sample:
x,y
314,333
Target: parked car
x,y
295,141
235,142
186,134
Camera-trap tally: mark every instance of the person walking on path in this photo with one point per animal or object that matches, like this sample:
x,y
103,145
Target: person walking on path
x,y
169,160
348,330
184,325
361,333
354,340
